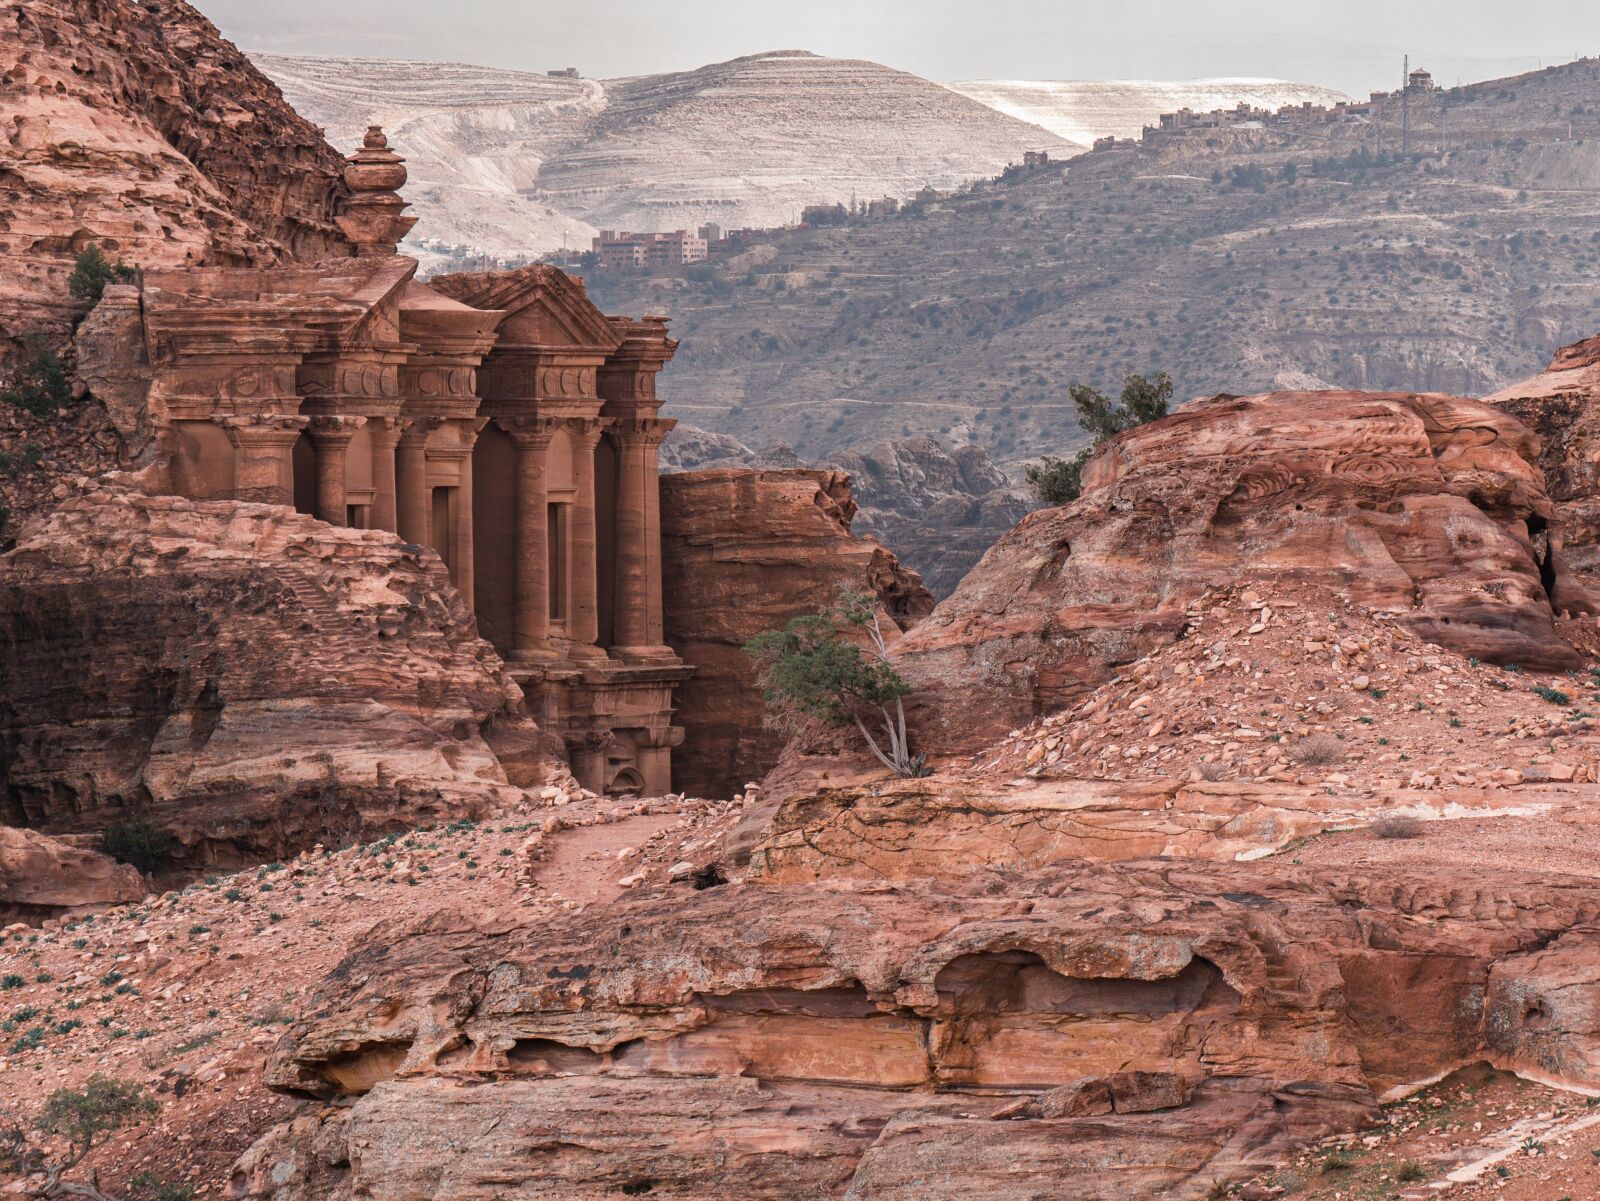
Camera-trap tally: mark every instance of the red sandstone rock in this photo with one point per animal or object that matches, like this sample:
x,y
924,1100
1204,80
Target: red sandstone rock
x,y
743,551
45,877
136,126
746,1009
1426,506
256,680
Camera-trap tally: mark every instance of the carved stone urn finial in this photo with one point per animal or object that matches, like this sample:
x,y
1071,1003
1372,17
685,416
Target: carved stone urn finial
x,y
373,216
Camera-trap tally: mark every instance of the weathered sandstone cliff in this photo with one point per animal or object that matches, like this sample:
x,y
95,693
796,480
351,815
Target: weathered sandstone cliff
x,y
938,509
743,551
1425,506
1562,405
137,127
255,680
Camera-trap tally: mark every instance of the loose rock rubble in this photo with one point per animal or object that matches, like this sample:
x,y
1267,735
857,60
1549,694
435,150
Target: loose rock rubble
x,y
1293,687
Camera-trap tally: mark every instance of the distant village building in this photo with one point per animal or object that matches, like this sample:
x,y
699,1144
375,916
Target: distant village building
x,y
671,249
564,73
1421,81
1036,158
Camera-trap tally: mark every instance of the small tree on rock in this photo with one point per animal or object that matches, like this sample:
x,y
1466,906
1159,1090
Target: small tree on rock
x,y
76,1117
93,271
813,668
1144,398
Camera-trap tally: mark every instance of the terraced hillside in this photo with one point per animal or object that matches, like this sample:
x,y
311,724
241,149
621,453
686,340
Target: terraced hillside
x,y
1234,259
511,163
1082,110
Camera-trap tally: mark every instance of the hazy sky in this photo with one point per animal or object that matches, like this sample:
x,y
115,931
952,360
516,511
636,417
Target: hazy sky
x,y
1350,44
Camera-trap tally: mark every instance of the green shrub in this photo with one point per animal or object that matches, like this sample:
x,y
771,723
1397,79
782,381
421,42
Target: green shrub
x,y
139,841
1554,695
14,462
93,271
1057,481
39,383
1144,398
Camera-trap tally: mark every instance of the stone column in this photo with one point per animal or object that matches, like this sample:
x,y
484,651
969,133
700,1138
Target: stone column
x,y
384,433
414,507
263,456
530,624
638,533
583,623
331,438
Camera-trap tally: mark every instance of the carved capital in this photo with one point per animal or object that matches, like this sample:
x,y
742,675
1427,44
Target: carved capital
x,y
586,431
386,431
261,429
417,429
592,741
531,432
641,431
333,431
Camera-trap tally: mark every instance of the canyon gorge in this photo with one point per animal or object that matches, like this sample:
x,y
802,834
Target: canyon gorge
x,y
387,795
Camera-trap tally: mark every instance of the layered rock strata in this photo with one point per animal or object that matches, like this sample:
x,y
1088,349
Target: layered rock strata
x,y
251,678
744,551
1425,506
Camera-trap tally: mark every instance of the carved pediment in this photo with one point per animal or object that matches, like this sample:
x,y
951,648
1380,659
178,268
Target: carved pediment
x,y
544,307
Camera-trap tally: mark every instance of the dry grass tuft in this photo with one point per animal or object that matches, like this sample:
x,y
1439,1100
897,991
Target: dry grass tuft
x,y
1319,750
1397,827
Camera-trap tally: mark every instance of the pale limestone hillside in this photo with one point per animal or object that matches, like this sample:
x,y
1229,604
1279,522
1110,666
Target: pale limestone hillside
x,y
508,162
1083,110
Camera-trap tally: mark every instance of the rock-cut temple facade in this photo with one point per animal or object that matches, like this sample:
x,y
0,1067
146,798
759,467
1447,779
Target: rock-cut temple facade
x,y
499,418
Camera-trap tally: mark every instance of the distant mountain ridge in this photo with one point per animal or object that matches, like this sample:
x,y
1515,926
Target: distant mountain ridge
x,y
518,163
1083,110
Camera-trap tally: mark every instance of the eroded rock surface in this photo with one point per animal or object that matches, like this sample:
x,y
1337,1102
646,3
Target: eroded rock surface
x,y
1560,405
836,1041
744,551
937,509
254,679
137,127
1425,506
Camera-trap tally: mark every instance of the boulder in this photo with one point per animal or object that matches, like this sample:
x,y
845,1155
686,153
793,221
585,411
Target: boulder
x,y
44,877
249,677
1427,507
743,551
